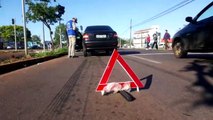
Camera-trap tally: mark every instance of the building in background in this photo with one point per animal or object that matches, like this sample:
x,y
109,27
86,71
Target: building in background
x,y
139,37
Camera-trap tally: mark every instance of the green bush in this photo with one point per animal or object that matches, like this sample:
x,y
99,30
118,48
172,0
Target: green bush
x,y
55,52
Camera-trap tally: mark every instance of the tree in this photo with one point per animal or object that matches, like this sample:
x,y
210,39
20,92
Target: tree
x,y
36,38
122,41
7,33
41,11
64,37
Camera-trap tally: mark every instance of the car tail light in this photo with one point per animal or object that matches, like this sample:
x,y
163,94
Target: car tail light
x,y
115,35
114,44
86,36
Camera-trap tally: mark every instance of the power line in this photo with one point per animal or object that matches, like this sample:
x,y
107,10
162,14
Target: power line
x,y
161,14
179,5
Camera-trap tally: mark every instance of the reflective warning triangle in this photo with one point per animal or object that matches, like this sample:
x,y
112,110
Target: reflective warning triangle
x,y
135,83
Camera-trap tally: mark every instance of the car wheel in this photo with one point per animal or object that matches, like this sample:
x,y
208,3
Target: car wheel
x,y
178,50
84,51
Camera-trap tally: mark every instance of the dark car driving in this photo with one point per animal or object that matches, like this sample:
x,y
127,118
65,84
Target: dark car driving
x,y
197,36
99,37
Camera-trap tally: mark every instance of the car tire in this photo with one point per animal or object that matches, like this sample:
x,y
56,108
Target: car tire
x,y
178,49
84,51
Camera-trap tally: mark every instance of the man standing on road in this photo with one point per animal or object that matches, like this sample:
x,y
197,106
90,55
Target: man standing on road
x,y
155,43
71,32
166,37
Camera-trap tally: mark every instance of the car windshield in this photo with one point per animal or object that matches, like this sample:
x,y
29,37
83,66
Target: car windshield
x,y
98,28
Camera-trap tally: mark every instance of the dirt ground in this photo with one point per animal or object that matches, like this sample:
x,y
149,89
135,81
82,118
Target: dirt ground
x,y
10,56
4,55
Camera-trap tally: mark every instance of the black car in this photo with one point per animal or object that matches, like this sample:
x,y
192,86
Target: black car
x,y
197,36
99,37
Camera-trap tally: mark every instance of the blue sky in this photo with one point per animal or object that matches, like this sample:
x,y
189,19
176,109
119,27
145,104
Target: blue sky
x,y
116,13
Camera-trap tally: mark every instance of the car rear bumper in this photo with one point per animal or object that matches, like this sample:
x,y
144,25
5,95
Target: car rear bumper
x,y
96,45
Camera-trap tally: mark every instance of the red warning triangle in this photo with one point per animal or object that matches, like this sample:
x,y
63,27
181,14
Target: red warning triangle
x,y
135,83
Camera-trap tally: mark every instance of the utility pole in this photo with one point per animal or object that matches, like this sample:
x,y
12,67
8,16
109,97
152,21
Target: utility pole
x,y
60,33
120,42
43,37
81,27
24,27
60,38
14,25
130,33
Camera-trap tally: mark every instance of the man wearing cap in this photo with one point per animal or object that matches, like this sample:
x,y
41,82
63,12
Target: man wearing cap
x,y
71,32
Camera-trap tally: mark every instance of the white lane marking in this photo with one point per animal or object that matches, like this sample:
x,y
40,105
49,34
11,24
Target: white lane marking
x,y
149,60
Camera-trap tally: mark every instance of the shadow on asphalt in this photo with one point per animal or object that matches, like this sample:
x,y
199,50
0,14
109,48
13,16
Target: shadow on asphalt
x,y
201,56
147,84
128,52
203,69
148,81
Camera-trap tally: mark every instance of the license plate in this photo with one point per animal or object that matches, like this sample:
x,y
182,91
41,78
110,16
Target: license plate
x,y
100,36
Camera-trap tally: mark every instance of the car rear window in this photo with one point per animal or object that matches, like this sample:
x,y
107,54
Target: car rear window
x,y
98,28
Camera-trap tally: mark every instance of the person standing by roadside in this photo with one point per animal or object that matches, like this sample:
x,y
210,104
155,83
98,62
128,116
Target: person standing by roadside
x,y
155,43
71,32
166,37
147,42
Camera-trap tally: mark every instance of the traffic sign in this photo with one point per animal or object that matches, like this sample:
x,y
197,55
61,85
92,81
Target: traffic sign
x,y
135,83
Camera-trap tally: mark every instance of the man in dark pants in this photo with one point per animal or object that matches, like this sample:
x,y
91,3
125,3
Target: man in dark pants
x,y
155,38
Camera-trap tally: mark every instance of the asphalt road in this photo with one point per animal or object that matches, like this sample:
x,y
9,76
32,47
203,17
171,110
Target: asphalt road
x,y
64,89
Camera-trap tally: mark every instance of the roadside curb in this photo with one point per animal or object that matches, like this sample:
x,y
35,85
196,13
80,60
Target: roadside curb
x,y
22,64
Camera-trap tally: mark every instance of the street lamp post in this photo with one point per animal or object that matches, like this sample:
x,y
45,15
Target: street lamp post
x,y
130,33
24,27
